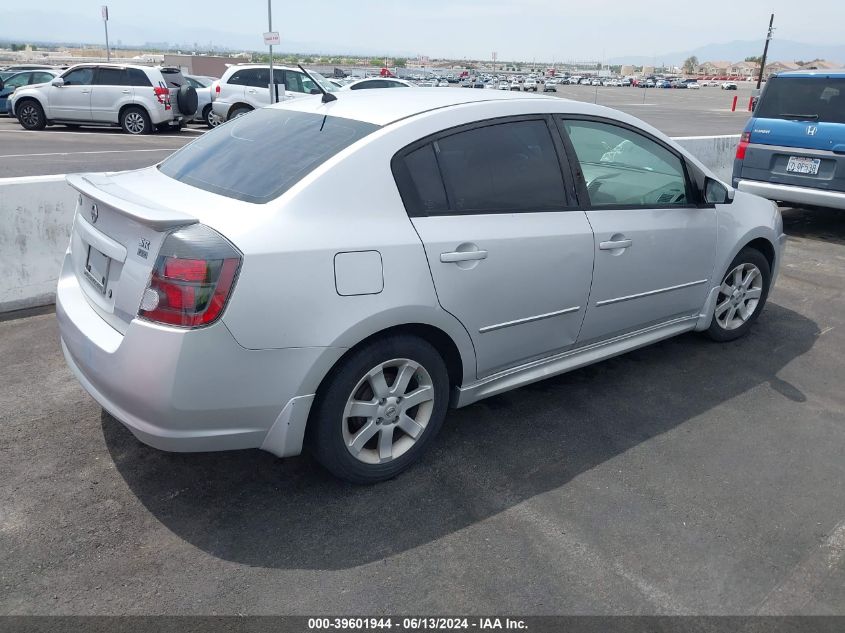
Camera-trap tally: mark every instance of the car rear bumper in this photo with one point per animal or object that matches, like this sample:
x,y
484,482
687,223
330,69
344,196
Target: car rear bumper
x,y
190,390
793,194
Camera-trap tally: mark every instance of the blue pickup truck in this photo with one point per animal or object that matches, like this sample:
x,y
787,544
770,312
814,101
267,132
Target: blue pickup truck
x,y
793,148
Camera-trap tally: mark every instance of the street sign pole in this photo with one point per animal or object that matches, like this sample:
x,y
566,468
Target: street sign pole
x,y
105,12
270,29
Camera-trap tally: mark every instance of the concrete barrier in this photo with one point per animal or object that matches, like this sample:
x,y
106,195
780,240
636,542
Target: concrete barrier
x,y
36,214
716,152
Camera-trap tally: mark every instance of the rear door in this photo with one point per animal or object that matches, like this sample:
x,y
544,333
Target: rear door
x,y
72,101
111,89
798,134
509,255
654,246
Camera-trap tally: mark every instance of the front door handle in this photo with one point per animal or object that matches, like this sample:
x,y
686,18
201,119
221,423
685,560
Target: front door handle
x,y
613,245
251,91
126,92
462,256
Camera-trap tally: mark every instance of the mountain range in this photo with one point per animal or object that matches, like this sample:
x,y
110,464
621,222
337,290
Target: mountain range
x,y
779,50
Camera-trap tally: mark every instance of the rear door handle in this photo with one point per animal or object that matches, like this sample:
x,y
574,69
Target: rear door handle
x,y
462,256
610,246
126,92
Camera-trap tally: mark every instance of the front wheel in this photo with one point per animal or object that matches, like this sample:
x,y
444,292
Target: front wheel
x,y
31,115
742,295
379,409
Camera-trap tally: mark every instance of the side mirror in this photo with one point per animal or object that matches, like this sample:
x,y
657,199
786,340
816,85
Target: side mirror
x,y
58,82
315,91
717,193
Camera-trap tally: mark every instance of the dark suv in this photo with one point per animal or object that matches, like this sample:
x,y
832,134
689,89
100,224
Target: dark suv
x,y
793,148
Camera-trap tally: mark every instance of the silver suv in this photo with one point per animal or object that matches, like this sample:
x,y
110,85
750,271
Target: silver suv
x,y
246,87
137,98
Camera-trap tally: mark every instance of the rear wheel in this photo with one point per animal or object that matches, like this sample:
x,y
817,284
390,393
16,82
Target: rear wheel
x,y
239,111
135,121
211,119
379,409
742,295
31,115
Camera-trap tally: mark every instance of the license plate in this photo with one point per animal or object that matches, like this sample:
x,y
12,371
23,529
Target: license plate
x,y
801,165
97,269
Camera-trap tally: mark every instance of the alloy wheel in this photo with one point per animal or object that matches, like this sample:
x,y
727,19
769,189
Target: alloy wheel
x,y
388,411
135,123
29,115
739,296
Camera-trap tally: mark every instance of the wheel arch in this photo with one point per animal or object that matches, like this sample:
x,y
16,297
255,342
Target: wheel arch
x,y
26,98
235,106
133,104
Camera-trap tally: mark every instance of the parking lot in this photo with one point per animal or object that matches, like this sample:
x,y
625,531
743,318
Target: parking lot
x,y
687,477
59,150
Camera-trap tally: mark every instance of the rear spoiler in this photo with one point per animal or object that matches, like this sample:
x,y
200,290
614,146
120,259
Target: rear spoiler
x,y
103,189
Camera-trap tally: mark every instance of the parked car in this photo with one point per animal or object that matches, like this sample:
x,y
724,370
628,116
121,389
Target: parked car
x,y
265,304
136,98
504,85
663,83
693,85
530,84
793,148
596,82
245,87
203,86
443,83
729,85
13,81
550,86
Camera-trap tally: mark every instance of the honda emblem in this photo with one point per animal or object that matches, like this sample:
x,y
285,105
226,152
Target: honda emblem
x,y
94,214
811,130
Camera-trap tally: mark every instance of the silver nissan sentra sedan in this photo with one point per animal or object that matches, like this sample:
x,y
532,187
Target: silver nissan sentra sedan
x,y
335,275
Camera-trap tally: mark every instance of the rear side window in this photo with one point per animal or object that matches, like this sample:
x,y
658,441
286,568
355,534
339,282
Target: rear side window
x,y
804,99
428,194
240,77
40,78
502,167
259,156
138,77
112,77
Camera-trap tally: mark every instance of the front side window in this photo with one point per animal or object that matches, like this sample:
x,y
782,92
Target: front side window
x,y
79,76
502,167
623,167
365,85
16,81
259,156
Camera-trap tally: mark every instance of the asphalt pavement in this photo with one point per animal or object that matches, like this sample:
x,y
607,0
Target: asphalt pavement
x,y
688,477
59,150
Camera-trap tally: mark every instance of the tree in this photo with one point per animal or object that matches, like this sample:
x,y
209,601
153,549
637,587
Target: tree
x,y
755,59
400,62
690,64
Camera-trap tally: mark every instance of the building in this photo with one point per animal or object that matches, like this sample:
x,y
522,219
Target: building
x,y
203,65
779,67
743,70
719,69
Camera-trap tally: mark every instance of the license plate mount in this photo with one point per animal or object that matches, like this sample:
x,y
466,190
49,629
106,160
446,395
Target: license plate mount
x,y
803,165
97,268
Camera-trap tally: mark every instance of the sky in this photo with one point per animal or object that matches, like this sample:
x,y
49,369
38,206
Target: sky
x,y
558,30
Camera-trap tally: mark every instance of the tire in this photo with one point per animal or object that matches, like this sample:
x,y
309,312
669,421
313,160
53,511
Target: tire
x,y
186,99
136,121
31,115
238,111
211,119
742,296
371,448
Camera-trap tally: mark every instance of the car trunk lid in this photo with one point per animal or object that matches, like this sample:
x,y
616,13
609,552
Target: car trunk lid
x,y
116,235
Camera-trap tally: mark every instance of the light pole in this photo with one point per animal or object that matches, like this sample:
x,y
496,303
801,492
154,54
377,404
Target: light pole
x,y
105,12
270,29
765,51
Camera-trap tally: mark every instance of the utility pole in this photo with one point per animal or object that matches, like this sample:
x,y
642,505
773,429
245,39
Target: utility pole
x,y
105,12
765,51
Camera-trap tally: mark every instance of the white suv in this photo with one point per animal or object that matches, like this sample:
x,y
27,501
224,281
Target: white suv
x,y
137,98
246,87
530,84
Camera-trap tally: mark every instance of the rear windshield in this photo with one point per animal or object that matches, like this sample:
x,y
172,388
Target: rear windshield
x,y
803,99
259,156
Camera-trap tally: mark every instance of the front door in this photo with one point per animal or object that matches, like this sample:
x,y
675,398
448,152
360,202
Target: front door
x,y
72,101
654,245
508,255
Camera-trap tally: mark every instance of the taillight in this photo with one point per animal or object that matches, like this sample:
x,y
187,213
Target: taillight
x,y
163,96
192,279
744,141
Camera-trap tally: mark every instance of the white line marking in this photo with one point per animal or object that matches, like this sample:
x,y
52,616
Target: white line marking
x,y
795,592
108,151
117,135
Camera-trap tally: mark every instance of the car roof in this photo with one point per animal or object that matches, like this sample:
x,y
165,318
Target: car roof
x,y
838,73
382,107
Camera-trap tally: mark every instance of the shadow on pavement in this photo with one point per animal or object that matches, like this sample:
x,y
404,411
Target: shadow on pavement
x,y
815,223
255,509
